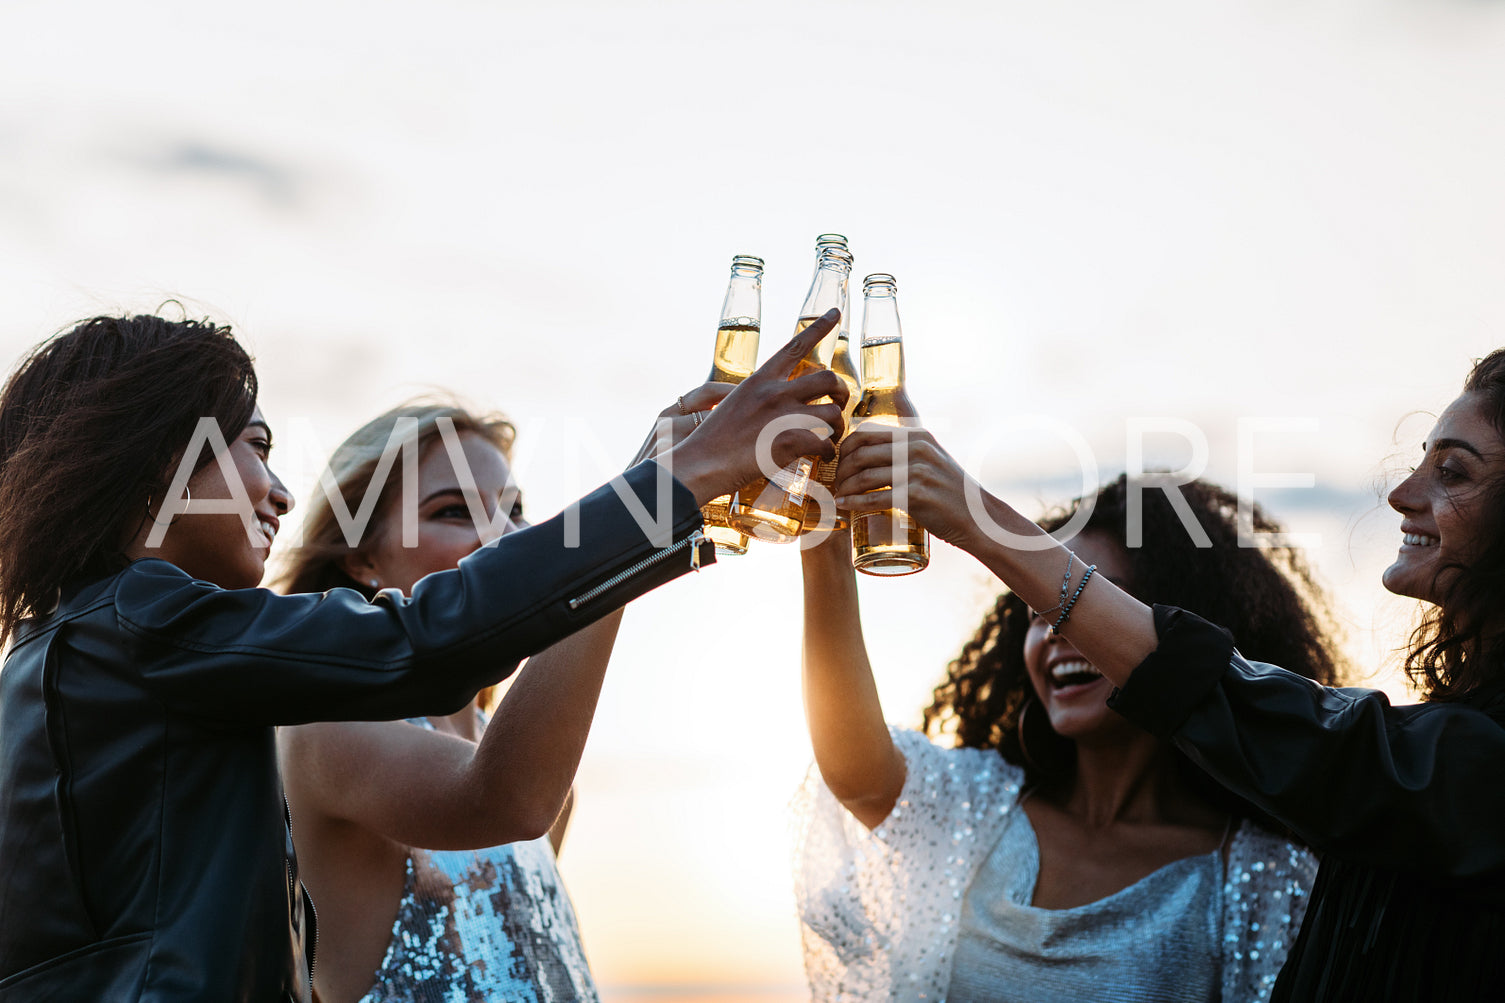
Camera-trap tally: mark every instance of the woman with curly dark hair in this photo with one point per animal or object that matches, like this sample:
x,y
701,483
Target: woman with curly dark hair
x,y
1402,803
1058,852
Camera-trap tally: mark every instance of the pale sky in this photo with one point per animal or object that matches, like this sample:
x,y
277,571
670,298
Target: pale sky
x,y
1095,211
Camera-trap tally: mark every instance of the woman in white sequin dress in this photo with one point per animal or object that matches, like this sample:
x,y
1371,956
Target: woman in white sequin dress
x,y
428,845
1058,853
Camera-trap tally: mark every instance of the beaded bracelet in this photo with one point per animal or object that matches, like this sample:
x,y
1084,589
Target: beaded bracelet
x,y
1065,584
1055,628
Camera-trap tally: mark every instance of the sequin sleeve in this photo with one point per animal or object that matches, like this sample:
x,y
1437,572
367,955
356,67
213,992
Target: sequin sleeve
x,y
879,910
1264,899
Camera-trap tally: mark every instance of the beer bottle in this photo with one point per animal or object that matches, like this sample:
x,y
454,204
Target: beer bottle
x,y
736,357
843,364
887,542
774,509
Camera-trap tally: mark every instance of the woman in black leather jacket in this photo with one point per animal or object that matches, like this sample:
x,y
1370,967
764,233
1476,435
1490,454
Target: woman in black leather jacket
x,y
1403,803
144,848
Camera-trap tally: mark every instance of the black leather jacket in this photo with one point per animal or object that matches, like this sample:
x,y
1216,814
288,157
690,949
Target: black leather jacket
x,y
1405,788
1403,803
143,849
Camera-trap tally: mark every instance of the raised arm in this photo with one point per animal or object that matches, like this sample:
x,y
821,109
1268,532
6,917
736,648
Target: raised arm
x,y
853,750
252,656
1394,787
436,791
1391,786
1111,628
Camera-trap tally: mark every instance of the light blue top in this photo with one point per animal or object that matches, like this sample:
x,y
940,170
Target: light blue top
x,y
882,910
1156,941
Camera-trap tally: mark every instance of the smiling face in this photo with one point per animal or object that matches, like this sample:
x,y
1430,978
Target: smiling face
x,y
1441,503
1073,693
447,530
219,546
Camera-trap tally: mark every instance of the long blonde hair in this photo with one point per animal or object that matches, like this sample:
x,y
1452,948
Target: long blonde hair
x,y
317,564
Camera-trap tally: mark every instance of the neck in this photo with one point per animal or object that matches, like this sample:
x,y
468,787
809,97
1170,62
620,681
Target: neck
x,y
1134,780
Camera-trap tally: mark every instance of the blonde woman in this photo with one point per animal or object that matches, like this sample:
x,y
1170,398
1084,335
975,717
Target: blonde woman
x,y
425,843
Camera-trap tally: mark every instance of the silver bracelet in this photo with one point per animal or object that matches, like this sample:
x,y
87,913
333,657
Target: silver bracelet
x,y
1065,584
1055,628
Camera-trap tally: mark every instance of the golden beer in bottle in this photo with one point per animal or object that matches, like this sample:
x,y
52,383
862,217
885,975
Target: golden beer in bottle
x,y
843,364
773,509
888,542
736,357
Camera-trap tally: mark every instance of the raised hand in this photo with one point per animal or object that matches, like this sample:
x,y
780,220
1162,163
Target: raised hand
x,y
770,410
884,467
675,422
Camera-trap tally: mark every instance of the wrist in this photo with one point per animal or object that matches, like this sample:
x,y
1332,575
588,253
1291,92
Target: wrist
x,y
996,530
833,547
698,472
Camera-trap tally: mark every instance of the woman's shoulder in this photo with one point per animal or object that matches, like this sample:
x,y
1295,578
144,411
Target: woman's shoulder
x,y
1257,849
1269,878
935,771
1267,888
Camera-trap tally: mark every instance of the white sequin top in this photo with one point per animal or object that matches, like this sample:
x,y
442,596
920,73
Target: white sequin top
x,y
880,911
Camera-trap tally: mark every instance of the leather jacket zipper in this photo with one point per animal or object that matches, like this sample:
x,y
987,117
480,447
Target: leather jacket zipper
x,y
308,903
693,542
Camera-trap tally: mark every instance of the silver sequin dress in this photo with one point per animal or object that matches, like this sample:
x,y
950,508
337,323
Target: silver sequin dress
x,y
881,911
484,925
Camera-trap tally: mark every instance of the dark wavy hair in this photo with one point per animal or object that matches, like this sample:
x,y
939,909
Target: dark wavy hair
x,y
93,422
1456,652
1265,596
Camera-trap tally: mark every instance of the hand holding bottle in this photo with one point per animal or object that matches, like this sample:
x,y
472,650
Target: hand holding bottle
x,y
722,455
679,419
876,457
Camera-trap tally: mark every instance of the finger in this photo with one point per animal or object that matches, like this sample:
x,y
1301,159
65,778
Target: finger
x,y
823,383
831,416
869,501
871,434
872,479
858,455
802,442
785,359
705,396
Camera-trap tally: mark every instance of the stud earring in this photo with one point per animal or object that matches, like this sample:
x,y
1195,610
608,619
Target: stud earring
x,y
375,584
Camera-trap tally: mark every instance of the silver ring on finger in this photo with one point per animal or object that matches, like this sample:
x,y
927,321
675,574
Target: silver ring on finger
x,y
699,417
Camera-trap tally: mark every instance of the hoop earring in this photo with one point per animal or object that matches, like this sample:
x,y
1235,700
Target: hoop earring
x,y
1024,745
187,501
1057,753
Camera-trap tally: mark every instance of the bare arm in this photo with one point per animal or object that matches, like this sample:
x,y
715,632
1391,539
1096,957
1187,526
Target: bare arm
x,y
1111,628
437,791
562,823
853,750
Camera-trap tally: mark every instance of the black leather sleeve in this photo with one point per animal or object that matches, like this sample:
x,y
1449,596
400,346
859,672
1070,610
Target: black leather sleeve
x,y
253,656
1404,788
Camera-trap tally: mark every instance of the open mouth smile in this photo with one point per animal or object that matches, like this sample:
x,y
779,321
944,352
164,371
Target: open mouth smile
x,y
1072,672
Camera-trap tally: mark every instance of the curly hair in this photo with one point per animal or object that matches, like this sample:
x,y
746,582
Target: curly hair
x,y
1455,652
92,422
1265,596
